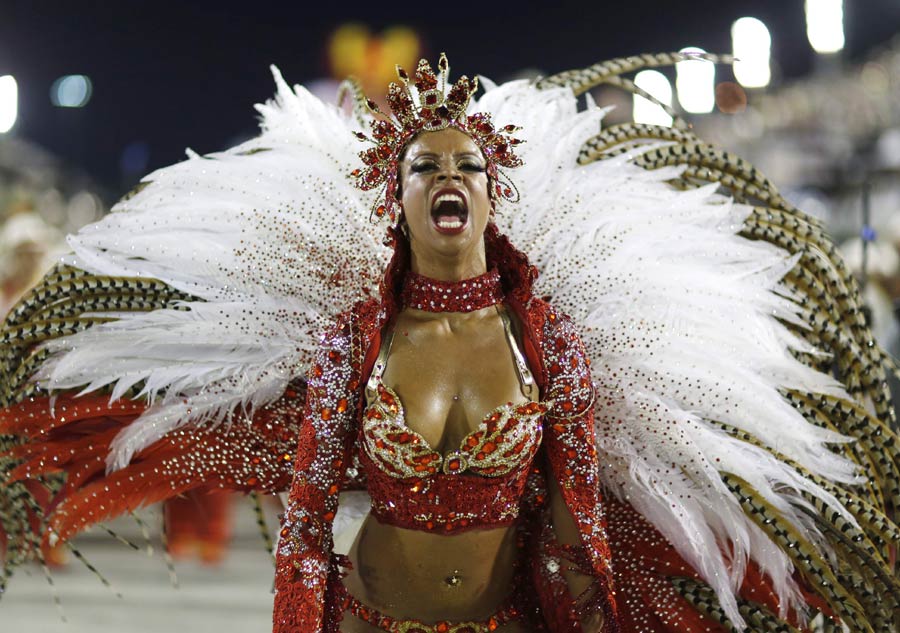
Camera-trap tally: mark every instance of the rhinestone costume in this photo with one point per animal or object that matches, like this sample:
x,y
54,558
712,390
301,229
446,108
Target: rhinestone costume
x,y
306,593
351,605
414,486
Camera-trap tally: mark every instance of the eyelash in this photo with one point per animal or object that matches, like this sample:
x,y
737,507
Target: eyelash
x,y
419,168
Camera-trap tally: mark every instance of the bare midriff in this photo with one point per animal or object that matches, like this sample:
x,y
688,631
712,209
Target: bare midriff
x,y
410,574
449,370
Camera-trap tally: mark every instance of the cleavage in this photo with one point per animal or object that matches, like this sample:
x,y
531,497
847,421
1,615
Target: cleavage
x,y
449,385
445,421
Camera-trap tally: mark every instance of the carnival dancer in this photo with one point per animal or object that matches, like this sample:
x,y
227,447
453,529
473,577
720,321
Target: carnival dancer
x,y
626,403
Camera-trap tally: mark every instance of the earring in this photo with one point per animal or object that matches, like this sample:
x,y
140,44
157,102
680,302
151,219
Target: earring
x,y
401,222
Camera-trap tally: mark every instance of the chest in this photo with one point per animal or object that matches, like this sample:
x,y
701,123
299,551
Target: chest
x,y
450,380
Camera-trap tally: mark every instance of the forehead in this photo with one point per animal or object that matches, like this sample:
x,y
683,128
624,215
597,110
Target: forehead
x,y
447,141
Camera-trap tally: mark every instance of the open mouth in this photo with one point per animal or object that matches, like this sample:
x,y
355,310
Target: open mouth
x,y
449,211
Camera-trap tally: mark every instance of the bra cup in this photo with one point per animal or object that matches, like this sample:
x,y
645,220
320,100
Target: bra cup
x,y
507,438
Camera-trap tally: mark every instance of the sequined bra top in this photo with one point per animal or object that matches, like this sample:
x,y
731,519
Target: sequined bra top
x,y
479,484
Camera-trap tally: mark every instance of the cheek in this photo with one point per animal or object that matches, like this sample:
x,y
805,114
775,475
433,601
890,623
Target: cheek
x,y
481,188
412,198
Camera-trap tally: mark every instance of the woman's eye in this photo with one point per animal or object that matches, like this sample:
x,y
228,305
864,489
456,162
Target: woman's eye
x,y
421,167
472,167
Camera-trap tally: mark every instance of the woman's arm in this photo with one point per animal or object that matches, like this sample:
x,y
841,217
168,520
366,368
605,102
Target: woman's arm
x,y
305,567
588,585
576,503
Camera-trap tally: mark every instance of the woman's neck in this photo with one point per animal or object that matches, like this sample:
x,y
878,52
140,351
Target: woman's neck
x,y
452,268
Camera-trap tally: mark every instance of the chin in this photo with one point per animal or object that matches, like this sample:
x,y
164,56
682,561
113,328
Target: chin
x,y
448,244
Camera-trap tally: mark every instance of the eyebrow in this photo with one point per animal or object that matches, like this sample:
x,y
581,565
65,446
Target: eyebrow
x,y
435,155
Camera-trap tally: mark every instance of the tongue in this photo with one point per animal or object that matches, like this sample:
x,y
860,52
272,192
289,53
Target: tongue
x,y
449,209
447,218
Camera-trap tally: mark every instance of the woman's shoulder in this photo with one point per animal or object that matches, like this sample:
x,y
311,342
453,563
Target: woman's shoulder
x,y
349,335
360,317
546,320
565,360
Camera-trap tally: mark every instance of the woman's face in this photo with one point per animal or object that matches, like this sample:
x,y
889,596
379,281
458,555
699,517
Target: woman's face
x,y
444,194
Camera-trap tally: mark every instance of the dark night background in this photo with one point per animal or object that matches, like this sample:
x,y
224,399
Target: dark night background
x,y
176,74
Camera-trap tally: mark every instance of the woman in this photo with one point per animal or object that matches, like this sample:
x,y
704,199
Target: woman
x,y
449,366
738,403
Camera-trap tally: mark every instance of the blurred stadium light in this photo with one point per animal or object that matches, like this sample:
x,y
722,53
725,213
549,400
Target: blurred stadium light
x,y
752,46
9,103
71,91
825,25
695,82
656,84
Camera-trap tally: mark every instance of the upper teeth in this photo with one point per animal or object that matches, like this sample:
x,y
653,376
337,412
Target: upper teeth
x,y
448,197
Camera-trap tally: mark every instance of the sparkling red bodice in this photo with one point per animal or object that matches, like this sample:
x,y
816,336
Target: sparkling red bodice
x,y
477,485
559,447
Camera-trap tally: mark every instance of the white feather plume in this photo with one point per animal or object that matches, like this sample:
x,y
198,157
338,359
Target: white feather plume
x,y
680,316
269,236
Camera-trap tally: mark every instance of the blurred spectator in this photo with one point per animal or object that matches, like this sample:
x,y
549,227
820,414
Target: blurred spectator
x,y
28,247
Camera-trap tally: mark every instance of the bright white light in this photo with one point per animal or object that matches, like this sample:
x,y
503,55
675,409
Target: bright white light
x,y
9,103
752,45
696,83
825,25
71,91
656,84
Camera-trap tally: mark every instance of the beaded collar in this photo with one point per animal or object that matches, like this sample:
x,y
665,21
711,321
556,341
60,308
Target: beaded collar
x,y
468,295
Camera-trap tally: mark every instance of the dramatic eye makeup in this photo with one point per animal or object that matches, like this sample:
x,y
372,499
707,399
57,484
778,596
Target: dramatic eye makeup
x,y
465,162
420,166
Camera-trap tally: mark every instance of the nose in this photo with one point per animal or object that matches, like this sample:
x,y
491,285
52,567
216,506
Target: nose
x,y
449,173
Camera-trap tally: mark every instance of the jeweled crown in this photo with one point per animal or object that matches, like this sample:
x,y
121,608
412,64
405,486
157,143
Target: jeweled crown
x,y
425,105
